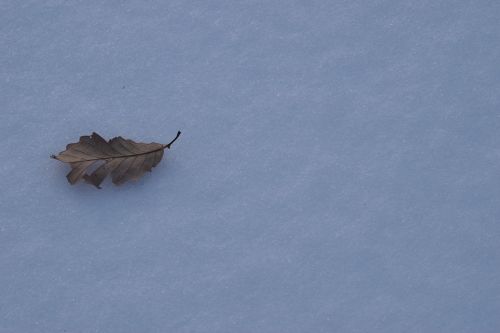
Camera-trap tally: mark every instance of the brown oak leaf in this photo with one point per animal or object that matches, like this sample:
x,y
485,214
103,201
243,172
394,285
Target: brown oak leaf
x,y
123,159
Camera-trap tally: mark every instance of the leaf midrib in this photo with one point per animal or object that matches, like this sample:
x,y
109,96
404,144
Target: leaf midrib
x,y
120,156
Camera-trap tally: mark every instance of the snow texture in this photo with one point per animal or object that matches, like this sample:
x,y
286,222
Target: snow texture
x,y
338,171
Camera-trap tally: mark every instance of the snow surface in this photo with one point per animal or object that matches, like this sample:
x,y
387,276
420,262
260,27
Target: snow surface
x,y
338,171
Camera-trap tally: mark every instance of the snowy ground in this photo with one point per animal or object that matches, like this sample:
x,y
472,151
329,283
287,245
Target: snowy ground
x,y
338,171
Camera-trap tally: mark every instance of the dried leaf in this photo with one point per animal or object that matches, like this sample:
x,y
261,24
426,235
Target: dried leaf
x,y
123,159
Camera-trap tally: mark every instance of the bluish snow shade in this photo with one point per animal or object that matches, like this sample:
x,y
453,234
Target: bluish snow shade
x,y
338,171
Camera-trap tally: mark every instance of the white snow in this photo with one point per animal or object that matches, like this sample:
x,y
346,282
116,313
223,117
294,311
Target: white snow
x,y
338,171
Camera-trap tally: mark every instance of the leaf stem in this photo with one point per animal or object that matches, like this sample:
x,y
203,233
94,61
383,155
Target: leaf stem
x,y
169,144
